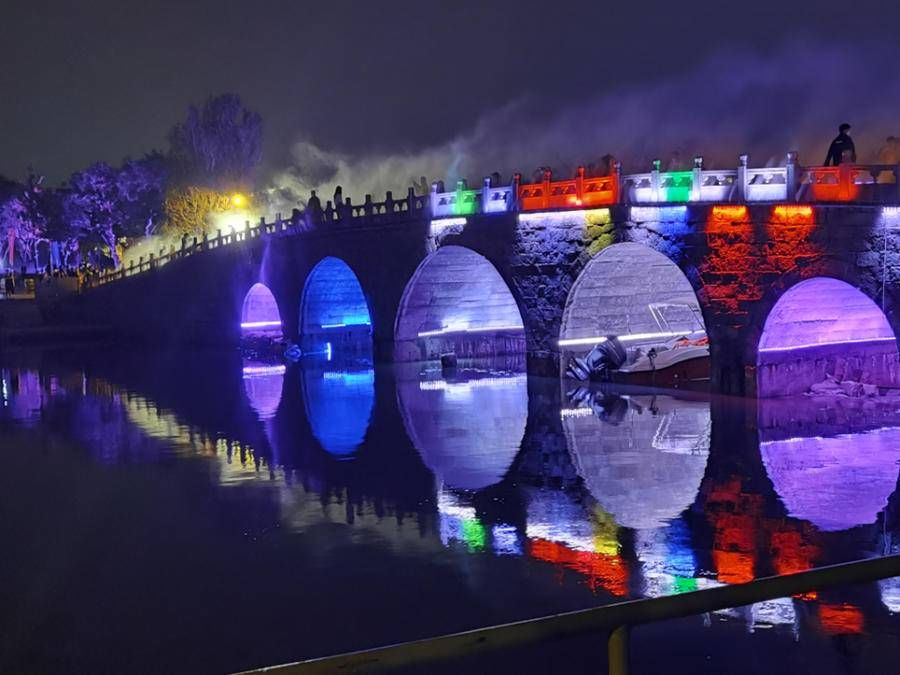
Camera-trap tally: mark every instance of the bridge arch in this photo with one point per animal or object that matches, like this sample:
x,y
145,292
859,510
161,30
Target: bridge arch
x,y
634,292
260,317
457,301
820,328
334,310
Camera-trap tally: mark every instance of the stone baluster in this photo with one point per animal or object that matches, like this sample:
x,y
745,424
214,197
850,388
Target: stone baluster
x,y
742,178
545,188
792,176
410,199
617,182
654,181
696,194
514,197
579,184
389,202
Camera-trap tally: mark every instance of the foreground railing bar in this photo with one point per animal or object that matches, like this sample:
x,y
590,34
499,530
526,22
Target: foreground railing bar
x,y
594,620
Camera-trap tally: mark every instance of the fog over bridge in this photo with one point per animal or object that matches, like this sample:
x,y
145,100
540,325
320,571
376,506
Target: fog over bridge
x,y
790,271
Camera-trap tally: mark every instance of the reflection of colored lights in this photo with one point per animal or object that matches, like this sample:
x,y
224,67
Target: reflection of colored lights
x,y
842,619
505,540
260,324
468,385
606,571
575,412
453,330
474,534
633,337
349,321
364,377
835,343
253,371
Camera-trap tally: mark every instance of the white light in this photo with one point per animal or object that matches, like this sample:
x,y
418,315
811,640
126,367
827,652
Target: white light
x,y
333,325
561,216
440,224
645,213
251,371
575,412
443,385
260,324
446,330
827,344
634,337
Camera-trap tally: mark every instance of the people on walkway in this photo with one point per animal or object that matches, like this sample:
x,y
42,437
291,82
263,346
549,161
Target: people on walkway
x,y
841,149
890,151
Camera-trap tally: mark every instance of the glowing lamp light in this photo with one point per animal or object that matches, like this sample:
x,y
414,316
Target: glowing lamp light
x,y
438,225
452,330
238,200
730,212
792,212
261,324
633,337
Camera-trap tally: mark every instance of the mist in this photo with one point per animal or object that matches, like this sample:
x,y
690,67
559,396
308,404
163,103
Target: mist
x,y
737,101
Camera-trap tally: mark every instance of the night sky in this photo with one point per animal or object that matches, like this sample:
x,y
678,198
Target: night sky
x,y
103,79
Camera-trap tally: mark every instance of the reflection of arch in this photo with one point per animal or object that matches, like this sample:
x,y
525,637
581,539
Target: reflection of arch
x,y
820,327
835,483
263,384
339,407
630,289
646,468
259,313
457,301
468,431
333,304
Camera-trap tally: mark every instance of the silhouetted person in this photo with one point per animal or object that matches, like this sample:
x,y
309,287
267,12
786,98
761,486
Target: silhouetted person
x,y
890,151
495,179
842,148
338,198
9,285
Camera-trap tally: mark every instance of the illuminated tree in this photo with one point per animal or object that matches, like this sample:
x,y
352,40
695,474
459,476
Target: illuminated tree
x,y
188,209
23,218
142,187
219,144
95,209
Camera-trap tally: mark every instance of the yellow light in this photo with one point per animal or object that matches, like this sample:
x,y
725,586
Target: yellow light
x,y
238,200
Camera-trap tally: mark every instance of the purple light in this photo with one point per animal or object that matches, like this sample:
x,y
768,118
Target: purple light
x,y
259,313
251,371
826,344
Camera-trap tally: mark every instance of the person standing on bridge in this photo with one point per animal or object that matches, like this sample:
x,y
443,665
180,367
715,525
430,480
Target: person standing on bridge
x,y
841,149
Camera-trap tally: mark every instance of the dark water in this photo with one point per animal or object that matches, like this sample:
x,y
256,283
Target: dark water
x,y
196,513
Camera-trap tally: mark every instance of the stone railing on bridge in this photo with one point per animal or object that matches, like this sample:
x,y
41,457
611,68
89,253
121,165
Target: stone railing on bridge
x,y
847,183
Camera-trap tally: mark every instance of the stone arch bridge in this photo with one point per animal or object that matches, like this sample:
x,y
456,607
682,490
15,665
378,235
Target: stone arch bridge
x,y
769,263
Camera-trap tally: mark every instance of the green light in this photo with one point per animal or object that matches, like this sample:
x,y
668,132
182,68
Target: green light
x,y
679,188
474,534
685,584
465,203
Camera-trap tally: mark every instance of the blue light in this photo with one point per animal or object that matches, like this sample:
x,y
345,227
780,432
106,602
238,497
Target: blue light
x,y
333,298
339,406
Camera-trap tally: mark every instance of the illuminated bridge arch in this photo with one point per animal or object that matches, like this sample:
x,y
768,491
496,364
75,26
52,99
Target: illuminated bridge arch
x,y
457,302
820,328
260,317
631,291
334,312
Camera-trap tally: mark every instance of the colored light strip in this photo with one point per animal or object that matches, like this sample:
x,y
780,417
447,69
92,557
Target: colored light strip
x,y
261,324
253,371
443,385
656,213
572,342
561,216
827,344
365,377
448,330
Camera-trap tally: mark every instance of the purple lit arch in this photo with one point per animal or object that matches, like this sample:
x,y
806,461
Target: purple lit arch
x,y
259,314
824,328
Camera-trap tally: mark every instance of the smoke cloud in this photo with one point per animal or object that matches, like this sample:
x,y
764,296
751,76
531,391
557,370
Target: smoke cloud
x,y
738,101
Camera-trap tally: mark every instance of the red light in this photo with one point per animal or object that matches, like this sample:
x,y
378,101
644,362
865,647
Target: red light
x,y
843,619
730,212
793,213
606,571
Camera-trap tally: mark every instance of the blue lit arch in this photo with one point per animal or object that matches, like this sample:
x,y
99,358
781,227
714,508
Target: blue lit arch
x,y
333,303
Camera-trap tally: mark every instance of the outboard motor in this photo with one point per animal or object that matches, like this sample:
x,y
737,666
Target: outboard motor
x,y
606,356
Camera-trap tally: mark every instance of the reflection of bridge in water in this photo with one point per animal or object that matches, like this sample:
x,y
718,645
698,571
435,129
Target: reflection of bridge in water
x,y
663,495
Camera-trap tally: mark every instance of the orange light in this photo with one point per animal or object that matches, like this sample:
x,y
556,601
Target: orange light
x,y
791,212
730,212
843,619
603,570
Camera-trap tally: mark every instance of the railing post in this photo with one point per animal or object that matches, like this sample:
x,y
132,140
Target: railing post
x,y
845,175
514,198
617,184
579,184
410,199
433,200
654,181
545,189
617,648
791,176
486,193
697,180
742,178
